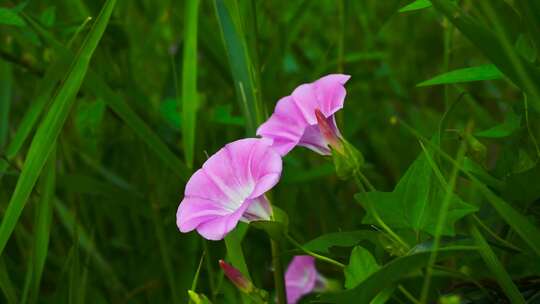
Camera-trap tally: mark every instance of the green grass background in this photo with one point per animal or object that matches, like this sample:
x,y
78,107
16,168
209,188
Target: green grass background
x,y
107,107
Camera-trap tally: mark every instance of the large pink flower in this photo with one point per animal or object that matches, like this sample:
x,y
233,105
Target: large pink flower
x,y
229,188
302,278
294,121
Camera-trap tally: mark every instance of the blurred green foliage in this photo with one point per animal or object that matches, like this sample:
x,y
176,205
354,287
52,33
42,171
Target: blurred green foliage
x,y
100,156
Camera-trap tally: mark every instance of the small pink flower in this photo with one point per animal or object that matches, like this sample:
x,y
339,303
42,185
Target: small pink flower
x,y
294,121
229,188
302,278
236,277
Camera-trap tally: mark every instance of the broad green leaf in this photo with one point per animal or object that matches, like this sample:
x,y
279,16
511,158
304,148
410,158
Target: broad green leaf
x,y
388,275
495,46
477,73
511,124
416,5
10,17
51,126
324,242
189,80
242,67
361,265
415,202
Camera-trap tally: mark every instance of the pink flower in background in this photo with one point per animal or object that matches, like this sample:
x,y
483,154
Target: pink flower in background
x,y
294,121
229,188
302,278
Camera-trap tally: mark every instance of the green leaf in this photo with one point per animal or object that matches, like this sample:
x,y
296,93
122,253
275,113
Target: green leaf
x,y
43,224
415,202
388,275
48,17
50,128
189,80
416,5
94,84
511,124
477,73
495,45
361,265
10,17
326,241
6,285
242,67
497,268
6,83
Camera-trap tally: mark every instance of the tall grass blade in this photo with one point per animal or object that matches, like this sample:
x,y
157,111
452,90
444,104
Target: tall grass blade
x,y
95,84
43,224
477,73
189,80
495,46
46,135
6,83
496,267
6,285
242,68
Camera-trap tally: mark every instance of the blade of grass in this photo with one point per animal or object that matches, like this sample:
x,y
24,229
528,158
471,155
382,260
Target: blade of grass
x,y
86,243
43,225
6,285
495,46
95,84
477,73
44,90
189,80
6,83
496,267
242,68
51,126
441,220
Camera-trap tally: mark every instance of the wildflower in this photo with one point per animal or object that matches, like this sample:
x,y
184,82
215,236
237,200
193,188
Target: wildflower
x,y
236,277
301,278
230,188
295,122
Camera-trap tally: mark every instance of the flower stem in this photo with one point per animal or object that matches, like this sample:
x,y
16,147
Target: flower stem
x,y
279,279
313,254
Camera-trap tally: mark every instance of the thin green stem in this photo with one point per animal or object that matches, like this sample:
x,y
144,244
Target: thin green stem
x,y
279,279
313,254
440,224
494,235
408,295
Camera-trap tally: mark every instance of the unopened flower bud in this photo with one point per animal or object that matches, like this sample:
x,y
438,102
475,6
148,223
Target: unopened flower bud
x,y
236,277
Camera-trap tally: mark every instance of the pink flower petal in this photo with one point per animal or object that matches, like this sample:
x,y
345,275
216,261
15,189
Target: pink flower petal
x,y
294,122
300,278
228,184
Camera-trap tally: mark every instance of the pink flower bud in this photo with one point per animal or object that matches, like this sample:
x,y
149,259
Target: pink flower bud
x,y
236,277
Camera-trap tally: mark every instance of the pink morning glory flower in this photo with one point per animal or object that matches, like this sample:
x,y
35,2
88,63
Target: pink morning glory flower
x,y
295,122
301,278
230,188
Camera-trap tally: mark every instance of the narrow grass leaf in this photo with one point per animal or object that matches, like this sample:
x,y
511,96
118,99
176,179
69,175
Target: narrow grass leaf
x,y
10,17
495,46
46,135
496,267
43,224
189,80
6,285
241,65
477,73
95,84
325,242
6,83
415,6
